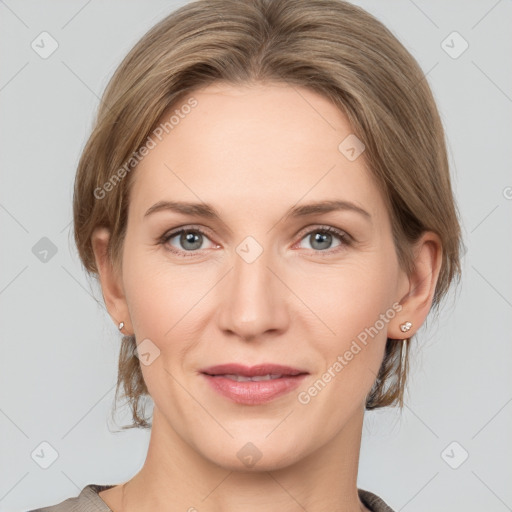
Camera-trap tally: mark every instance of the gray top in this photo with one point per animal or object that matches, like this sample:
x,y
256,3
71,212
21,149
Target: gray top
x,y
89,501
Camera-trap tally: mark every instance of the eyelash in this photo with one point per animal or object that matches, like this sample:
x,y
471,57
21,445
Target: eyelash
x,y
344,238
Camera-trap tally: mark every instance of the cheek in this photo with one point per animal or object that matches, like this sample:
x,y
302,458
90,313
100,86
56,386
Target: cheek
x,y
164,304
354,304
349,297
355,308
153,304
160,293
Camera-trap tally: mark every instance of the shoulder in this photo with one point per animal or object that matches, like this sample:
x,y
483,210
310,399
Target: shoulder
x,y
373,502
87,501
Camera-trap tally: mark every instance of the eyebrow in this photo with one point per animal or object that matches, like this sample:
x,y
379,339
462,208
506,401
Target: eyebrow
x,y
208,211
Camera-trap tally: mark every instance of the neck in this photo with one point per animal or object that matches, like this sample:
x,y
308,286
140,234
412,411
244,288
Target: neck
x,y
176,476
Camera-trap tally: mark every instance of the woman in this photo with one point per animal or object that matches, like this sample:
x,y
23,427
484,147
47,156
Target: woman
x,y
296,146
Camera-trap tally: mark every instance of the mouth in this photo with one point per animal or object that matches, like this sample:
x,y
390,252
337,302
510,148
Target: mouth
x,y
255,378
265,371
253,385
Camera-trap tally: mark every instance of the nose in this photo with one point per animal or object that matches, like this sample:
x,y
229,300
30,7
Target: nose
x,y
254,298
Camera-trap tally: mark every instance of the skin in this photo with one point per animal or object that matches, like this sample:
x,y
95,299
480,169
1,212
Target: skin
x,y
253,152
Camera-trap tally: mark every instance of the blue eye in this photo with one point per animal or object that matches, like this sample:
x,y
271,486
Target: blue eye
x,y
190,240
323,238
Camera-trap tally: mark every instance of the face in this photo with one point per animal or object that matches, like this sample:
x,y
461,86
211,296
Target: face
x,y
265,280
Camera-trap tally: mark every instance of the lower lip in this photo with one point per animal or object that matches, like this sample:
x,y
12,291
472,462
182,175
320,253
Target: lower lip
x,y
254,392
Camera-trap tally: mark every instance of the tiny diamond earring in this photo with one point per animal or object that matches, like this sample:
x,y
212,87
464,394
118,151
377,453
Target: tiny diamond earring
x,y
406,326
121,325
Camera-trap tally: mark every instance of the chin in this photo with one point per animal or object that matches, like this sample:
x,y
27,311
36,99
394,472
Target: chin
x,y
253,457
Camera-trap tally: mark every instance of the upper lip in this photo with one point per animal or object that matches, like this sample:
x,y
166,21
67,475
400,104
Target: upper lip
x,y
252,371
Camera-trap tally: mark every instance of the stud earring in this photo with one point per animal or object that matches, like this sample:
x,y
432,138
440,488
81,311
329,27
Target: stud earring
x,y
121,325
406,326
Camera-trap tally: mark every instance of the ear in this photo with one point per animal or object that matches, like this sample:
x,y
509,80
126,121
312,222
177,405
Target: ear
x,y
111,280
417,290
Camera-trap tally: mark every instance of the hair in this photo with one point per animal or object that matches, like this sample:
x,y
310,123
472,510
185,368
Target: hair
x,y
331,47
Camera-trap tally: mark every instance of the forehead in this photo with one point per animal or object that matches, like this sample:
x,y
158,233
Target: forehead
x,y
272,144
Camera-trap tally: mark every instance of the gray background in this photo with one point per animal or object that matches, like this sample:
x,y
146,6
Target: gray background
x,y
59,348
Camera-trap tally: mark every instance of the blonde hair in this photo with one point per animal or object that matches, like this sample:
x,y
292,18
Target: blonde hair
x,y
328,46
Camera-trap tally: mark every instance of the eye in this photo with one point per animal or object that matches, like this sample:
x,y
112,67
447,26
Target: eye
x,y
188,240
321,238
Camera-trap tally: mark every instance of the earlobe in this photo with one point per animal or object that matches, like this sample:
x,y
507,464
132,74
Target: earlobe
x,y
422,282
110,280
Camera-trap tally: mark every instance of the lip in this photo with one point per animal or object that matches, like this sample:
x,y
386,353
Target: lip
x,y
253,392
252,371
